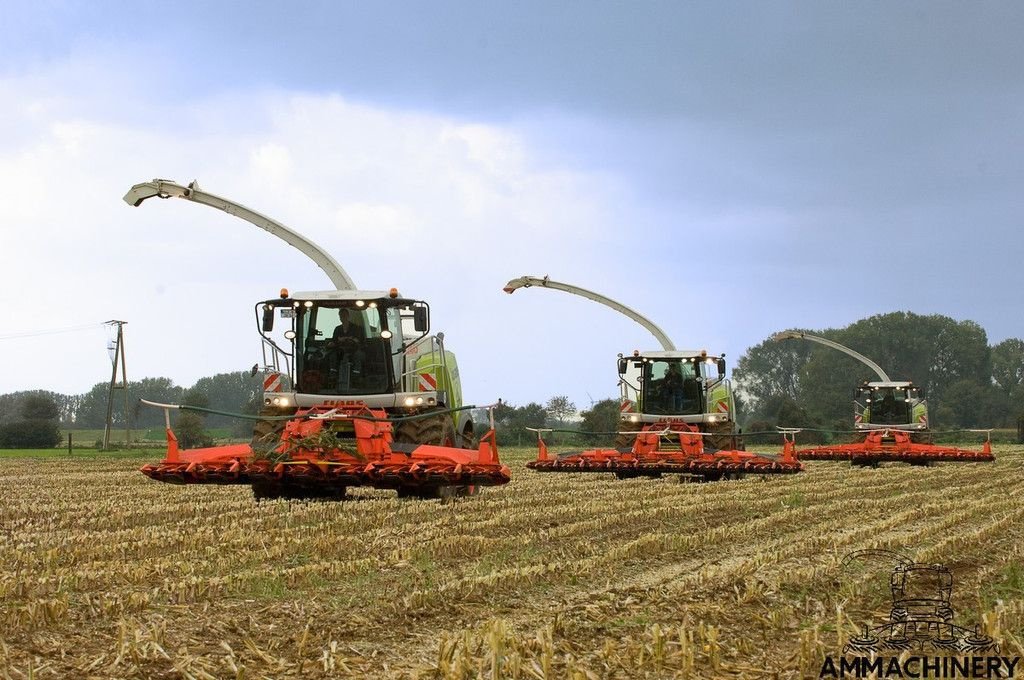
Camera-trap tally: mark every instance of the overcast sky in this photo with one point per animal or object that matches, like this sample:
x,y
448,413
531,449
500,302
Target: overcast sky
x,y
729,169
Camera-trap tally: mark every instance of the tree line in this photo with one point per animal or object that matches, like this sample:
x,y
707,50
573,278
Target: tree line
x,y
790,383
513,422
230,392
33,418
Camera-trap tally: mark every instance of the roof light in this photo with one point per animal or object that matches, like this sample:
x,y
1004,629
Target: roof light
x,y
360,303
636,352
284,293
289,335
386,334
308,303
393,293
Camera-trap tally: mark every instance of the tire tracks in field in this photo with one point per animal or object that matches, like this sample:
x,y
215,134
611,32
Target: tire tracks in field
x,y
684,576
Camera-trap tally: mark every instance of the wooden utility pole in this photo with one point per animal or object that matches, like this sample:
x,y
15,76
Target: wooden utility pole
x,y
117,359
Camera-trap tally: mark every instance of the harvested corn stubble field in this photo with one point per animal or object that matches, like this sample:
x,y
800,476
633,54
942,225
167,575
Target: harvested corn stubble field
x,y
104,573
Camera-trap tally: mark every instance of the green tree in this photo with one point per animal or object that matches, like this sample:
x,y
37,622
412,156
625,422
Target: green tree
x,y
602,416
232,393
936,352
560,408
971,405
38,427
1008,377
191,425
511,422
768,370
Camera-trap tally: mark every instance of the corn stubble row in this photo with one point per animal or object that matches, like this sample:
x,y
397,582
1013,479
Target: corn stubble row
x,y
106,574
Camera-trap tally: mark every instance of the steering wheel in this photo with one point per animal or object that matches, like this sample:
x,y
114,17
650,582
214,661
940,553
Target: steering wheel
x,y
343,341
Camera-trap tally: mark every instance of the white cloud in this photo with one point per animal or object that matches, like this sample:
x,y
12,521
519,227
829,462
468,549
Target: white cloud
x,y
446,209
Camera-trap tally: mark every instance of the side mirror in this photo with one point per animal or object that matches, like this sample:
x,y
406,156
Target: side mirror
x,y
268,318
622,366
721,368
419,319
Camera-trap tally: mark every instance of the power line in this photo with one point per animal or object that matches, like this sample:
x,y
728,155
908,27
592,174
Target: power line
x,y
50,331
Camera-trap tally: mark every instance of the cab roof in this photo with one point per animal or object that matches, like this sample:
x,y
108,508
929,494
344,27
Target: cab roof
x,y
343,295
677,354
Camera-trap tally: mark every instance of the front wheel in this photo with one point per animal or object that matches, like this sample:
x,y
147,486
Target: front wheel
x,y
269,490
437,430
266,433
723,437
627,434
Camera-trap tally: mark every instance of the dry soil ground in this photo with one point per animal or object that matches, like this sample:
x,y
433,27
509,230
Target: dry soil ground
x,y
104,573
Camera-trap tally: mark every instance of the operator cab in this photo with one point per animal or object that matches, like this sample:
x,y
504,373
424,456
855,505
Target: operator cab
x,y
670,383
348,343
887,403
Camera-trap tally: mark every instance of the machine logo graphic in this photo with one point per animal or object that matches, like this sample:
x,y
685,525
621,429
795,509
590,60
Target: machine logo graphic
x,y
921,618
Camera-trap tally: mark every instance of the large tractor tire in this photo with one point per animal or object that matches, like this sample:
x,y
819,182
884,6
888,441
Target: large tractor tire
x,y
265,490
627,434
723,437
437,430
266,436
922,437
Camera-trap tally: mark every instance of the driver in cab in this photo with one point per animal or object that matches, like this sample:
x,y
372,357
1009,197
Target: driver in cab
x,y
346,344
348,332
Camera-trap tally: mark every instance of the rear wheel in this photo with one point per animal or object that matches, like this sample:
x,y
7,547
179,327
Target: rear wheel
x,y
437,430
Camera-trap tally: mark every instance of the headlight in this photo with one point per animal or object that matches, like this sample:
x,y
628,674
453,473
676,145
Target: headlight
x,y
634,419
409,401
280,401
